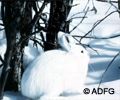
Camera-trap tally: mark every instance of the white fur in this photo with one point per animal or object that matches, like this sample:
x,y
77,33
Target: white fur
x,y
30,53
56,71
2,48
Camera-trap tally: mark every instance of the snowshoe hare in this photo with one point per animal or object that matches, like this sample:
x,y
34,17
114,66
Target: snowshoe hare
x,y
56,71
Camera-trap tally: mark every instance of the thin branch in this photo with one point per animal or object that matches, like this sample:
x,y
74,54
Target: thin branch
x,y
110,37
85,45
115,6
80,21
107,1
96,24
24,0
35,40
94,8
1,65
37,16
108,10
33,23
76,14
108,68
1,59
1,29
86,5
93,49
77,17
88,46
1,24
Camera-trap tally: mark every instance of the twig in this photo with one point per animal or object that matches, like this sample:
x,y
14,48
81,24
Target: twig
x,y
1,65
108,68
35,40
1,59
115,7
94,8
110,37
36,17
24,0
96,24
33,23
1,24
108,10
80,21
78,17
86,5
94,50
107,1
1,29
85,45
76,14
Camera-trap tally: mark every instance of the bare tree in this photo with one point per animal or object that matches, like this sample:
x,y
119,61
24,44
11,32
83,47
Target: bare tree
x,y
19,29
119,6
59,11
15,18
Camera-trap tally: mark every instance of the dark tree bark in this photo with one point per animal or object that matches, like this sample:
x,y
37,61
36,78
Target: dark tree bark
x,y
59,10
26,18
16,16
18,22
11,27
119,5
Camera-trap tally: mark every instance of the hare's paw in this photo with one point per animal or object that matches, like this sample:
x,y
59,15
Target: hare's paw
x,y
53,95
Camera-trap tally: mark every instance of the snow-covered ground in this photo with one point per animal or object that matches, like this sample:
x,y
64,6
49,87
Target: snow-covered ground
x,y
106,50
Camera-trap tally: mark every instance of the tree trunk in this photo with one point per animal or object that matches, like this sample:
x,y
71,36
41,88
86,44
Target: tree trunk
x,y
16,16
10,24
59,10
18,22
119,6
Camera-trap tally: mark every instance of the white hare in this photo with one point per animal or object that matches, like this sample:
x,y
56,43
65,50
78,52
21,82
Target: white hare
x,y
56,71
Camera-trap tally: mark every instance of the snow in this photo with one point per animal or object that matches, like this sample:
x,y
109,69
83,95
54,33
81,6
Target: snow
x,y
106,48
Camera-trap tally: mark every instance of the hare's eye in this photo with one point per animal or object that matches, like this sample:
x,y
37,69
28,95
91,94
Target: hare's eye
x,y
82,51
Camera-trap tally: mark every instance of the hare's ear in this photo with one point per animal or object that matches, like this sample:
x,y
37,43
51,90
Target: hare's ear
x,y
64,42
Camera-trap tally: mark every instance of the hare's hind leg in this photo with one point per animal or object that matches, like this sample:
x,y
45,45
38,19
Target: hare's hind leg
x,y
51,96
